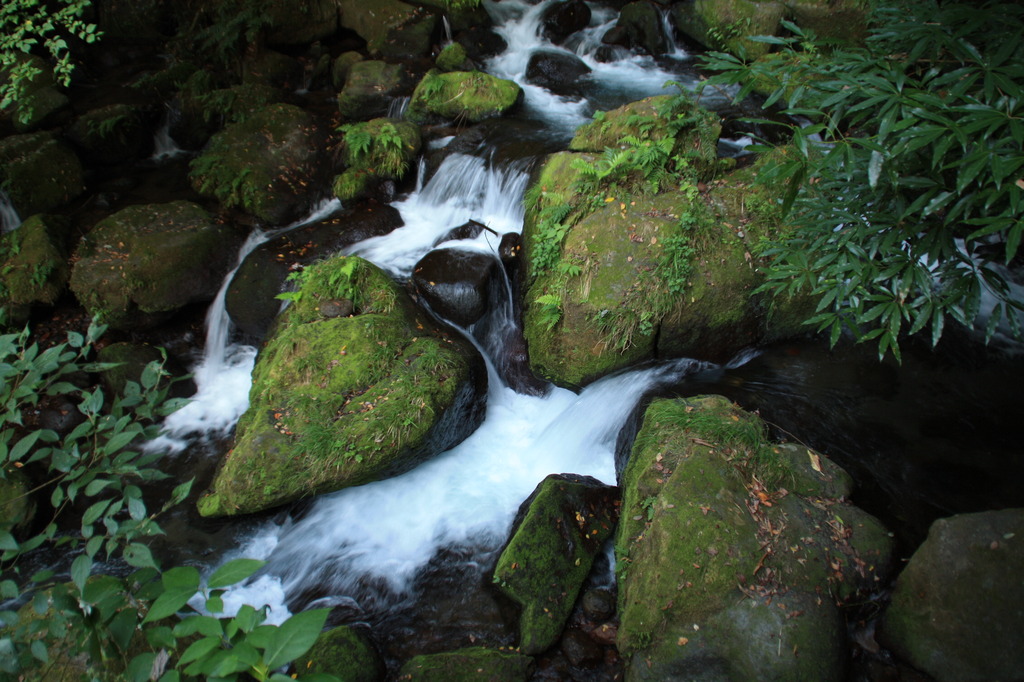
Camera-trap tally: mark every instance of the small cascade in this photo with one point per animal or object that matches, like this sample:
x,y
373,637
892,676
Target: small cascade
x,y
463,188
164,146
675,50
447,29
398,107
224,374
9,218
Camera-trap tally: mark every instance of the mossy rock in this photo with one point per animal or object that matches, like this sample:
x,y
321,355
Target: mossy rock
x,y
453,57
461,18
560,528
39,173
274,69
344,652
342,401
722,565
143,263
370,87
341,66
642,25
728,24
391,29
34,262
269,165
475,663
958,607
111,134
302,23
651,119
148,22
17,506
206,105
385,147
462,96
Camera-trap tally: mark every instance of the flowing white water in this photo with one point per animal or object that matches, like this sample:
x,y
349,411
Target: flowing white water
x,y
611,83
164,146
369,542
464,188
9,218
223,376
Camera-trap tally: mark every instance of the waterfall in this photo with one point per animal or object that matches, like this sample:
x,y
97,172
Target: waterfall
x,y
463,188
398,106
9,218
164,146
223,376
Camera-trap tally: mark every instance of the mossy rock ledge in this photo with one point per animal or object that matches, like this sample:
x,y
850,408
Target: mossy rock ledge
x,y
559,530
615,277
354,385
734,553
140,265
34,262
392,29
268,165
39,173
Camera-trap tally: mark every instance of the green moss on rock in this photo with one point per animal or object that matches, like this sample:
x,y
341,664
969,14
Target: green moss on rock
x,y
267,165
344,652
39,173
728,24
110,134
34,262
452,58
463,96
144,262
342,401
17,506
559,531
722,565
392,29
370,87
475,663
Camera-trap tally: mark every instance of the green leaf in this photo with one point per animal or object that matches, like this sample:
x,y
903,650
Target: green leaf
x,y
233,572
294,637
199,649
139,556
81,567
180,585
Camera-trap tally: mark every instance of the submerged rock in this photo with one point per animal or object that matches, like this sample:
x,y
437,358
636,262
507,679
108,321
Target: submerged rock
x,y
725,572
958,607
560,528
342,401
559,72
138,266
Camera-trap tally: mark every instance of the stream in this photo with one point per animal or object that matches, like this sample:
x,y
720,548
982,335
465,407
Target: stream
x,y
923,440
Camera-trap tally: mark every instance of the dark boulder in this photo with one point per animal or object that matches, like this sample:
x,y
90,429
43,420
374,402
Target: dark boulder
x,y
562,19
559,72
468,230
642,24
455,283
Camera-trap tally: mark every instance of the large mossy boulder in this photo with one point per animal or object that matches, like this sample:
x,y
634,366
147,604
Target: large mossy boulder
x,y
735,554
559,530
370,87
391,29
39,173
140,265
353,386
620,269
840,21
462,96
958,607
728,24
269,165
34,266
41,104
642,27
475,663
